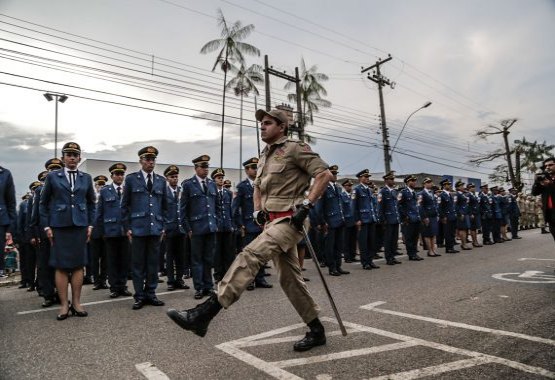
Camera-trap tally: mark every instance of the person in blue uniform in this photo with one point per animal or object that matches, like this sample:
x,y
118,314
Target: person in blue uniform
x,y
447,216
144,204
497,215
504,201
462,211
243,208
486,214
45,272
428,209
475,217
96,245
23,245
198,218
388,215
330,209
365,218
410,217
224,254
109,222
8,212
514,213
175,235
67,211
350,235
31,239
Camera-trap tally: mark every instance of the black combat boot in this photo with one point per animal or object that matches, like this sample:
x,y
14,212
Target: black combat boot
x,y
198,318
315,337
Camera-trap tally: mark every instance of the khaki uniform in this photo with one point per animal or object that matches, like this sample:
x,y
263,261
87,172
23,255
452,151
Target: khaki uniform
x,y
539,212
284,172
530,214
521,201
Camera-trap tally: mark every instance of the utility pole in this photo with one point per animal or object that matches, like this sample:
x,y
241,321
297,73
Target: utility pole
x,y
270,70
380,80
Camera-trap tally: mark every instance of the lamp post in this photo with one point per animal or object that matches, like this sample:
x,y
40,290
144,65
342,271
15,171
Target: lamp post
x,y
426,105
61,99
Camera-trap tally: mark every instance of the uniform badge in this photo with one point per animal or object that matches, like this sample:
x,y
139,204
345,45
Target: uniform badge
x,y
305,147
379,197
354,195
399,197
438,200
454,199
419,199
279,154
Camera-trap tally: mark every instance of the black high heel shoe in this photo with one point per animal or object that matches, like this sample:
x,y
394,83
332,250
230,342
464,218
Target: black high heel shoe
x,y
78,313
61,317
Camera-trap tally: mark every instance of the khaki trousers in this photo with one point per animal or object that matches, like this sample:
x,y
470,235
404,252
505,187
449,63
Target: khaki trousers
x,y
278,242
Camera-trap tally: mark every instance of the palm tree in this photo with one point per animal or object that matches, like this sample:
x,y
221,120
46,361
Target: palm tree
x,y
243,84
312,91
231,49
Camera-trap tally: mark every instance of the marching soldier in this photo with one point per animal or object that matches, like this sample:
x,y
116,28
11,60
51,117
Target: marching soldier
x,y
198,218
174,235
8,214
463,214
286,167
486,214
225,253
97,246
428,208
350,235
475,217
243,208
365,217
448,216
330,209
144,205
410,217
389,216
109,222
514,213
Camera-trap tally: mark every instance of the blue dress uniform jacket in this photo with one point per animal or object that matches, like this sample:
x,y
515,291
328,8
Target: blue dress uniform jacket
x,y
173,217
428,207
473,204
8,213
364,207
461,204
330,207
447,206
243,208
485,201
408,206
223,210
21,232
109,220
514,210
197,209
387,206
143,212
347,208
497,207
61,207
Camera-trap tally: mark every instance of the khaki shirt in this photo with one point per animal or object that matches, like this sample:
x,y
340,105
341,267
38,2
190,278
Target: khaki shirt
x,y
284,173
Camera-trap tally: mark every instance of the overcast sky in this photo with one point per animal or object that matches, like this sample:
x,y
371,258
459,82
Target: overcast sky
x,y
477,61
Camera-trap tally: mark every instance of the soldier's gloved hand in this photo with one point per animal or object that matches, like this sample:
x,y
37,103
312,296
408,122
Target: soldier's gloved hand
x,y
298,218
260,217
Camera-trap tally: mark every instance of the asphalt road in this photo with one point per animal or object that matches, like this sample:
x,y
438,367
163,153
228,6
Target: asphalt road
x,y
486,314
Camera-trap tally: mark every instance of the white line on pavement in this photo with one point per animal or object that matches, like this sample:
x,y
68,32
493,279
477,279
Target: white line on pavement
x,y
130,299
531,258
148,370
460,325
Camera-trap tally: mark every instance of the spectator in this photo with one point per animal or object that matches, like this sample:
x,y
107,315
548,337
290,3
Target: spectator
x,y
544,185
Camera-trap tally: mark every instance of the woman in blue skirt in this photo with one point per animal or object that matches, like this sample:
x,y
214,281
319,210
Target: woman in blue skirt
x,y
67,213
428,205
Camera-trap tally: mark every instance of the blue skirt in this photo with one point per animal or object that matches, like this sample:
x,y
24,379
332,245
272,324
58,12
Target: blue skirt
x,y
69,250
432,228
463,224
476,223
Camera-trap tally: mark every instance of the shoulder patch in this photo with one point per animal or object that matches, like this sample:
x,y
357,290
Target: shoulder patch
x,y
304,146
379,197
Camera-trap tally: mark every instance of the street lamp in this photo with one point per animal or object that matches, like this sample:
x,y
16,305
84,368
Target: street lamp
x,y
426,105
61,99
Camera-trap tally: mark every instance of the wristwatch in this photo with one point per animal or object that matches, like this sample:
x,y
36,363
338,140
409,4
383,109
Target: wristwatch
x,y
307,203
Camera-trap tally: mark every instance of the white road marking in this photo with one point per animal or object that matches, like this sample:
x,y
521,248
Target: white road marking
x,y
323,376
464,326
130,299
344,354
284,339
532,274
433,370
148,370
531,258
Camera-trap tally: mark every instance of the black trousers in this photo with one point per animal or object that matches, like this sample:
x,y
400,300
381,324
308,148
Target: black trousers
x,y
391,236
24,249
333,247
496,229
31,264
100,262
162,257
449,228
486,229
202,259
315,237
412,231
224,255
144,262
350,242
514,226
367,243
175,258
380,235
117,255
45,272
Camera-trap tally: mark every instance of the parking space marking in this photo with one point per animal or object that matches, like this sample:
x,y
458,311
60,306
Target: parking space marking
x,y
148,370
460,325
92,303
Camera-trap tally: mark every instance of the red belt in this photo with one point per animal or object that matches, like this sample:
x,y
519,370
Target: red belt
x,y
276,215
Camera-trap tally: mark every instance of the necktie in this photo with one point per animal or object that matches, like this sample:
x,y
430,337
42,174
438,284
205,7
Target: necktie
x,y
204,186
72,174
149,182
119,192
175,194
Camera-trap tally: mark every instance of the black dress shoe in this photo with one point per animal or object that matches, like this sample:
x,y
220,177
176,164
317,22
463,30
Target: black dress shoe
x,y
154,301
250,286
451,251
125,293
517,237
198,294
48,302
348,261
415,258
263,284
488,243
366,267
341,271
182,285
315,337
306,279
374,266
322,265
334,273
171,287
138,304
31,288
77,313
114,294
22,286
198,318
100,285
390,263
395,261
87,280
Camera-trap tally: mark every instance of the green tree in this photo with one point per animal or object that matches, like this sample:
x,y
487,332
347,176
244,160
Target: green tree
x,y
231,50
